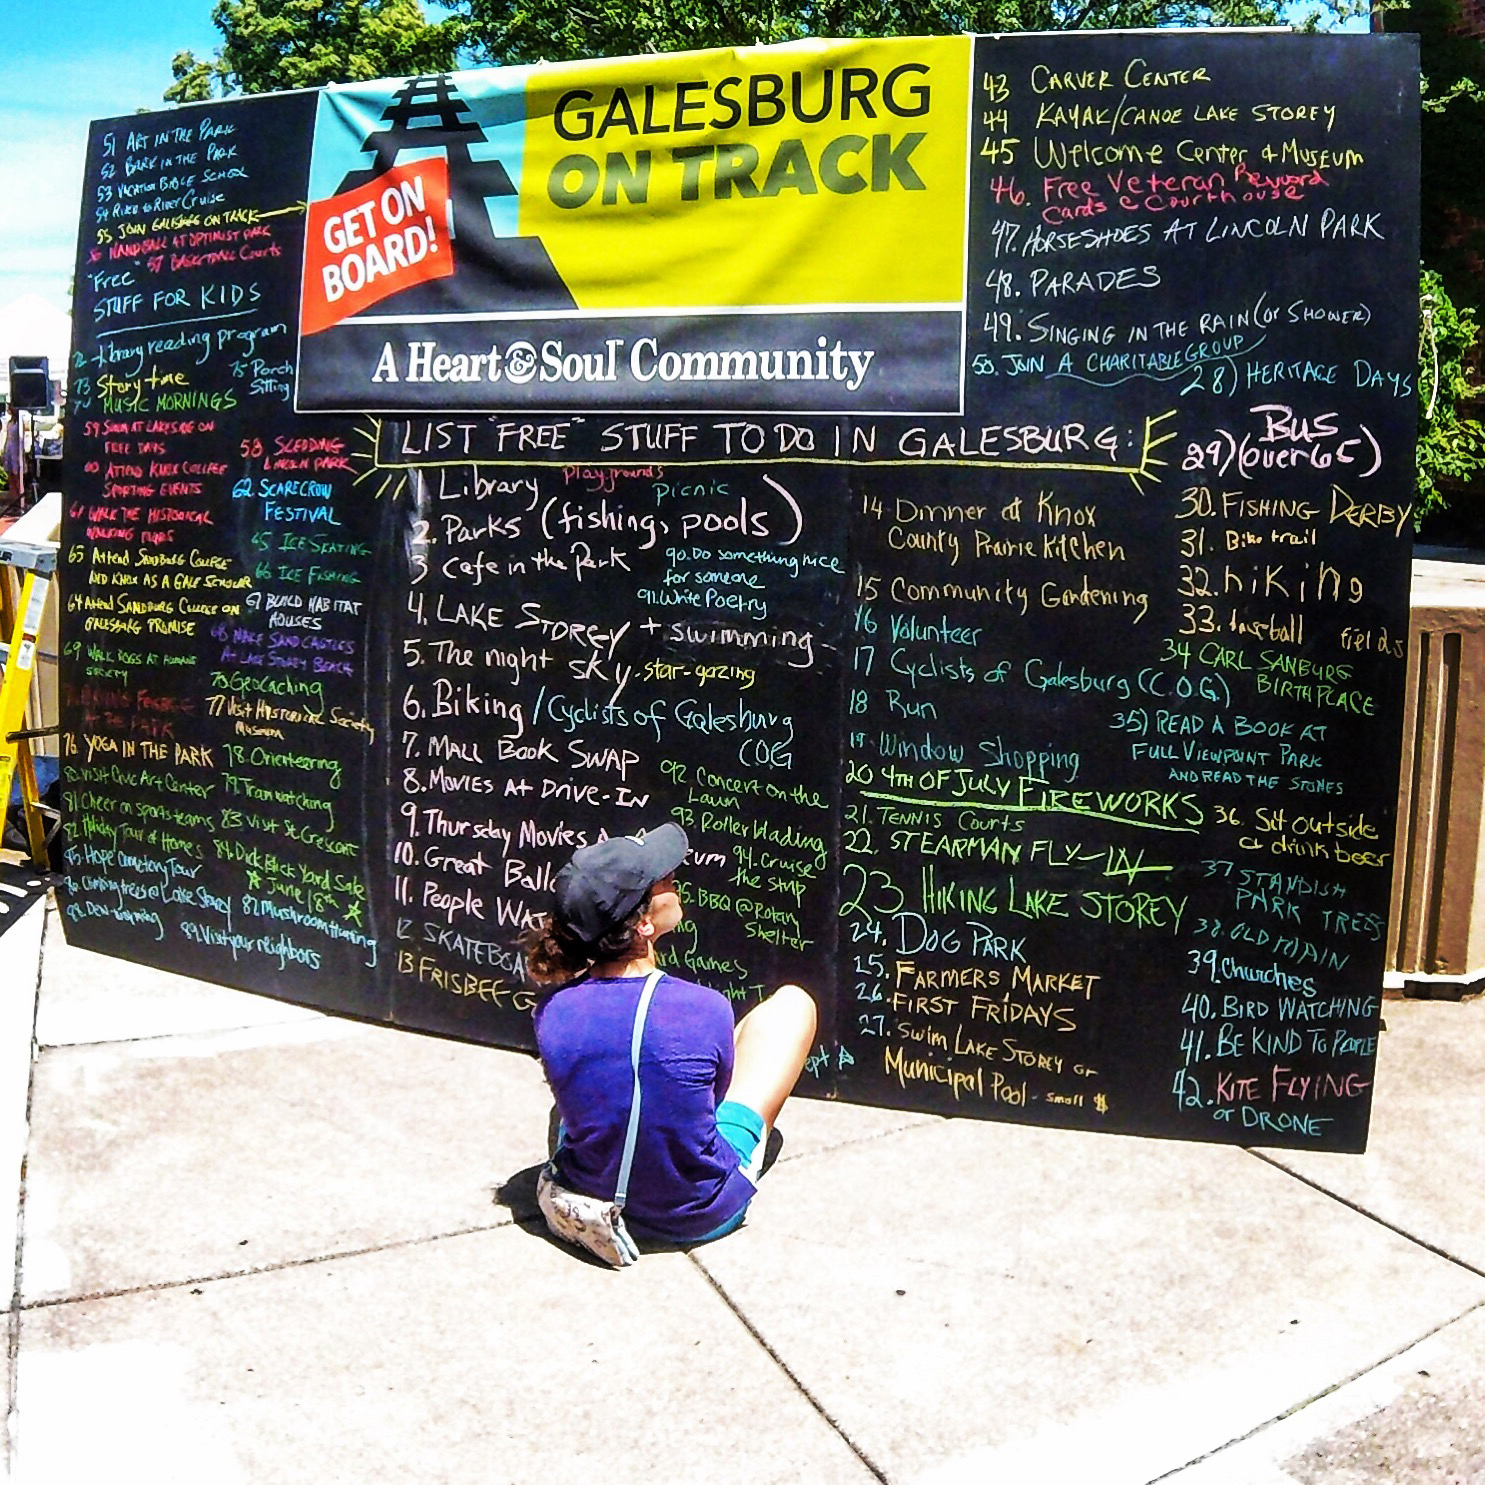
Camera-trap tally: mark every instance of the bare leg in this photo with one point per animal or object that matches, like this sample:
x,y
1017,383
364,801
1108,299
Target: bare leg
x,y
772,1042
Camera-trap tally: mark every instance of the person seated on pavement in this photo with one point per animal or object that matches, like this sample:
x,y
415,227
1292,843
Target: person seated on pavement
x,y
709,1092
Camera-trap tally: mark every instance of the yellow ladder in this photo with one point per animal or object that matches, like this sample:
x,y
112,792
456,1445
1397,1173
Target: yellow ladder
x,y
34,564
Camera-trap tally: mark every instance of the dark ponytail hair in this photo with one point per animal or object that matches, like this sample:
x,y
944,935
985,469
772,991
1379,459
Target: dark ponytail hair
x,y
555,955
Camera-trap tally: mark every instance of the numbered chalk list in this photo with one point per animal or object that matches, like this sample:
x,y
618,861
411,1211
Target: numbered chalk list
x,y
591,645
218,610
1053,745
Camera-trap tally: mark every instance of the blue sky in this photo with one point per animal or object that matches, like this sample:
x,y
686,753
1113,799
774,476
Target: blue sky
x,y
62,65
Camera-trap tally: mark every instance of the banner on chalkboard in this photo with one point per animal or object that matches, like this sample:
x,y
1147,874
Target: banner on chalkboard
x,y
716,229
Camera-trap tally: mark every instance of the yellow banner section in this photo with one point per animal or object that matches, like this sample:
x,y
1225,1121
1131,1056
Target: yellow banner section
x,y
819,173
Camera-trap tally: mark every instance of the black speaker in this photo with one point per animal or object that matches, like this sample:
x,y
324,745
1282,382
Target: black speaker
x,y
30,383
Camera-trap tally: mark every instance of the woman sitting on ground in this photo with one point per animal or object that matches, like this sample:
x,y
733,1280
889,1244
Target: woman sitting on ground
x,y
709,1092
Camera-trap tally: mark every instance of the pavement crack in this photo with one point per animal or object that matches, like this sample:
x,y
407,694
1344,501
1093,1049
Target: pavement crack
x,y
1371,1216
867,1461
165,1286
158,1038
793,1157
1323,1393
13,1309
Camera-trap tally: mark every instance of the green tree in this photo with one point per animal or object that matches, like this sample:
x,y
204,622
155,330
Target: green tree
x,y
273,44
1452,128
1451,445
509,31
1451,440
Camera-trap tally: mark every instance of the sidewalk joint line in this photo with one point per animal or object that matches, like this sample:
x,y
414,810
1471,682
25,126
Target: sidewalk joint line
x,y
13,1308
1361,1211
103,1043
164,1286
1324,1392
787,1156
877,1472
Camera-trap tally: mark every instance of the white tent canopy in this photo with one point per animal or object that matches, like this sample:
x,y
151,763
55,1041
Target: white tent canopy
x,y
29,326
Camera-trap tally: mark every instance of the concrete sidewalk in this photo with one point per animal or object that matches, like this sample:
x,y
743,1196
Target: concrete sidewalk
x,y
262,1245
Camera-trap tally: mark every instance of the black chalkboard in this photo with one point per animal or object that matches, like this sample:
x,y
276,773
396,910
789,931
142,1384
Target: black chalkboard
x,y
1002,575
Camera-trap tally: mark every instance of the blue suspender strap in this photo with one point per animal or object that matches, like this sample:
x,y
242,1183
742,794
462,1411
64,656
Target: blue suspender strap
x,y
631,1135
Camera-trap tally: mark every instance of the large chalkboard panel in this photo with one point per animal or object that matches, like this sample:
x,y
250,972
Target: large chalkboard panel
x,y
1015,625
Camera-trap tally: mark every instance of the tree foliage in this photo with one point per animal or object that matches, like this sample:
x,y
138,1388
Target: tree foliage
x,y
510,31
274,44
269,45
1452,128
1451,445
